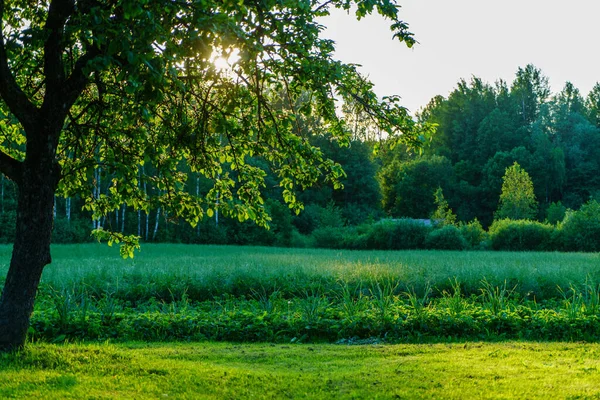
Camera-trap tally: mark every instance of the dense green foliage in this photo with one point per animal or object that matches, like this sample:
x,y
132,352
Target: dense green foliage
x,y
484,129
448,237
519,235
581,229
482,132
317,371
442,215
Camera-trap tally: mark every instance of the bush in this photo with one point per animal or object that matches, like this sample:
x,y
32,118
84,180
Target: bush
x,y
522,235
397,235
73,231
249,233
446,238
207,232
580,230
299,240
308,220
328,238
474,234
556,213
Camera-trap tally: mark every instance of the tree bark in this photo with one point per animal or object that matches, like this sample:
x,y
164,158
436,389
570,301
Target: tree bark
x,y
156,221
31,252
123,218
68,209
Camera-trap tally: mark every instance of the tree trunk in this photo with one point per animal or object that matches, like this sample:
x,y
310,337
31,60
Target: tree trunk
x,y
139,212
123,218
198,195
156,221
31,252
68,209
147,212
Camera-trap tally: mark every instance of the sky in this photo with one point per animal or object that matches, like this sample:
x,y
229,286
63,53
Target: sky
x,y
465,38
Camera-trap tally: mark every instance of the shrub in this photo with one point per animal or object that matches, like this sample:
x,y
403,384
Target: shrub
x,y
446,238
328,238
207,232
73,231
281,222
522,235
308,220
299,240
474,234
314,216
355,237
556,213
397,235
580,230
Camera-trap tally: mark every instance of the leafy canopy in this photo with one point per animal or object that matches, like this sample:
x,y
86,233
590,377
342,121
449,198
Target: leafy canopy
x,y
143,98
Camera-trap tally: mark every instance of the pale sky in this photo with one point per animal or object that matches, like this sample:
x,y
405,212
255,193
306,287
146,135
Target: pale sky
x,y
461,38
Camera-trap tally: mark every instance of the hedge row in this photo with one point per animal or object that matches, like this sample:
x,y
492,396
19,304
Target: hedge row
x,y
579,231
399,322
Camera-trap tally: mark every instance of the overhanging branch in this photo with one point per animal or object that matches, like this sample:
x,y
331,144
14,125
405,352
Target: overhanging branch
x,y
79,78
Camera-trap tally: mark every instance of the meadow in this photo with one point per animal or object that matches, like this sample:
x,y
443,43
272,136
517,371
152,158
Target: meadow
x,y
188,321
258,294
204,272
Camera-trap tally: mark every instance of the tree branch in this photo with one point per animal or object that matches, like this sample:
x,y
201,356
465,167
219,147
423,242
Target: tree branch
x,y
79,78
54,68
11,93
10,167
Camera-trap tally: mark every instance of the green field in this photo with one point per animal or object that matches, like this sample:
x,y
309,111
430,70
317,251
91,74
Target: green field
x,y
214,270
253,294
231,371
176,322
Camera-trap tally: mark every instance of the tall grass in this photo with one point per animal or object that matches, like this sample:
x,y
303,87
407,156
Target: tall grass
x,y
202,272
167,271
255,293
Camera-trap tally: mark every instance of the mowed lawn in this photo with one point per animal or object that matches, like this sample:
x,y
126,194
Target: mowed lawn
x,y
235,371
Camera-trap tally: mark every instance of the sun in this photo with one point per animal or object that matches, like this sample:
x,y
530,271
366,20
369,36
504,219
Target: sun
x,y
224,61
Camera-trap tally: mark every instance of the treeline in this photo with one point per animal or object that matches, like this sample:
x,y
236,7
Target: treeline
x,y
482,130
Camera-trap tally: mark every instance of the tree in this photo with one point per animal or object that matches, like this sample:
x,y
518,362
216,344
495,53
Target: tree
x,y
593,105
517,200
102,88
407,187
529,90
443,214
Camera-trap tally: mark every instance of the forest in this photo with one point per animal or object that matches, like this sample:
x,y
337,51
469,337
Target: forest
x,y
481,129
